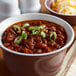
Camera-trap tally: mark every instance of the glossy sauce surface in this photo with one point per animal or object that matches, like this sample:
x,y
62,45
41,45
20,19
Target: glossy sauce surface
x,y
34,37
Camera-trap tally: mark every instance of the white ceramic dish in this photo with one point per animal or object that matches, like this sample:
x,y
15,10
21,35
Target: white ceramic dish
x,y
35,62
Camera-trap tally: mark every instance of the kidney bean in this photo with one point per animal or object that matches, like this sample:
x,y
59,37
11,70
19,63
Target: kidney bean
x,y
6,44
10,37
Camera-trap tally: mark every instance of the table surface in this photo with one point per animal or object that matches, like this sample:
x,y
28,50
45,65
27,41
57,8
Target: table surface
x,y
72,70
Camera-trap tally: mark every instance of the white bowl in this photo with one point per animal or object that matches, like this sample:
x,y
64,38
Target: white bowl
x,y
21,61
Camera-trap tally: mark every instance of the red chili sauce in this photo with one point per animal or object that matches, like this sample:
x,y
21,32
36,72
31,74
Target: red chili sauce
x,y
34,37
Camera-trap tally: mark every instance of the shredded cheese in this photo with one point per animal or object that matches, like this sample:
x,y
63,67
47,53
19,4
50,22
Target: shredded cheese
x,y
67,7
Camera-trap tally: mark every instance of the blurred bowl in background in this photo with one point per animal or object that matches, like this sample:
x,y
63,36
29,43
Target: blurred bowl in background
x,y
69,18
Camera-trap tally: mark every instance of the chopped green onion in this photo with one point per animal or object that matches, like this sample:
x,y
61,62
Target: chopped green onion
x,y
46,28
17,28
39,27
31,28
35,32
43,34
24,35
53,34
35,28
18,40
25,25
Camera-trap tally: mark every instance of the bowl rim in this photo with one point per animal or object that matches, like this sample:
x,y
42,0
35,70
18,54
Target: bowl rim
x,y
56,12
43,54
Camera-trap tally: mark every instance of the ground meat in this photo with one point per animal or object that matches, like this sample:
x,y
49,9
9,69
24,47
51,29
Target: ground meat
x,y
15,45
44,41
10,47
12,31
10,37
58,32
52,28
25,50
29,43
6,44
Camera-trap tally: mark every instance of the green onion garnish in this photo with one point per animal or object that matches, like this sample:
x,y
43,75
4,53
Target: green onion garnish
x,y
24,35
18,40
35,32
17,28
31,28
53,34
46,28
39,27
35,28
43,34
25,25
